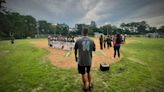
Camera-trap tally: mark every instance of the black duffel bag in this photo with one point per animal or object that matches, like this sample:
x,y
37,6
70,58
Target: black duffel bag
x,y
104,67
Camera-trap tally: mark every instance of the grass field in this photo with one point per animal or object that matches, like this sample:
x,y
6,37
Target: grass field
x,y
25,68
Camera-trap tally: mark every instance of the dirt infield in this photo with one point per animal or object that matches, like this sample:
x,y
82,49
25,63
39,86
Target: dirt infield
x,y
66,59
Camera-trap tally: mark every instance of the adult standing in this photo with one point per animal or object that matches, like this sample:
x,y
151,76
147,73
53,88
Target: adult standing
x,y
117,43
104,42
85,46
125,35
101,42
108,40
12,39
49,40
122,37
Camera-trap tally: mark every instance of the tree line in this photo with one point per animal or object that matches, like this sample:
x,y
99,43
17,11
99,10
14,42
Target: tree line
x,y
22,26
125,28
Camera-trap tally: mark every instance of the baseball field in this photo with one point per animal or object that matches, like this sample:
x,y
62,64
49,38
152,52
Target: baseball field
x,y
30,65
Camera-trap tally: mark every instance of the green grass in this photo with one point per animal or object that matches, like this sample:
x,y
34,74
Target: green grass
x,y
24,68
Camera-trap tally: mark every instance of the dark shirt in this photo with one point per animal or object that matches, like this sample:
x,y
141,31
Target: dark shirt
x,y
85,47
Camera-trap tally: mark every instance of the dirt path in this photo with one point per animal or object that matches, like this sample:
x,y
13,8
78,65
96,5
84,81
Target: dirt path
x,y
65,59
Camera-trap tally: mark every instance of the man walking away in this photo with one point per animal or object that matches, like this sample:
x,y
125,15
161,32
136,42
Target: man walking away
x,y
85,46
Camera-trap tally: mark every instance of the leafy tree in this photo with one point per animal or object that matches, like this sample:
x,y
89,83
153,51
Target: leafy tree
x,y
92,28
22,26
62,29
142,27
124,28
135,27
109,29
161,29
30,23
152,29
19,25
79,28
43,26
4,25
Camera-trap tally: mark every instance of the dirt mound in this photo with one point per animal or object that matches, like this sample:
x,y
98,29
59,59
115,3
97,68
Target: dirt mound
x,y
66,59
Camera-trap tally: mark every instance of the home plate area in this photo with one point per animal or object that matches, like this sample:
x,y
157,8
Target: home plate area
x,y
62,53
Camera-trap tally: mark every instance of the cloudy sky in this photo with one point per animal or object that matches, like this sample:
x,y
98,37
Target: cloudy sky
x,y
83,11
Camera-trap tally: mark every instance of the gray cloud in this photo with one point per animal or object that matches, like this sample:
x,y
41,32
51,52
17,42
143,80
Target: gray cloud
x,y
83,11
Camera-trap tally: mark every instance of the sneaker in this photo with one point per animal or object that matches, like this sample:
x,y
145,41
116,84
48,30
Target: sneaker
x,y
84,89
119,59
91,87
114,59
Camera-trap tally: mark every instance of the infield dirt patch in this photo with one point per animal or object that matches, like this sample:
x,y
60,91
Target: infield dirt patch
x,y
66,59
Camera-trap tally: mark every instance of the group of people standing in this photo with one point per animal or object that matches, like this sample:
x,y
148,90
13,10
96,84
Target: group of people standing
x,y
117,40
106,40
62,39
61,42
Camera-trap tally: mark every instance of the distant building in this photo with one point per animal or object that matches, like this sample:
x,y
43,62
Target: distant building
x,y
161,35
154,35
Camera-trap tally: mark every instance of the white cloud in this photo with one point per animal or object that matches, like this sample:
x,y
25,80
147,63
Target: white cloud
x,y
151,13
92,14
97,12
84,11
156,21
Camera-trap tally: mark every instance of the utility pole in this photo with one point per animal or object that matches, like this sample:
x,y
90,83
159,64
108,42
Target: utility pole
x,y
54,28
37,26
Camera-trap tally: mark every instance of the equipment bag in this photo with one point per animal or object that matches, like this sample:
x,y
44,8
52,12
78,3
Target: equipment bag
x,y
104,67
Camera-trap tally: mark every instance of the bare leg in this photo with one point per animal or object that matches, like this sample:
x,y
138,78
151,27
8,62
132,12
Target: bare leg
x,y
85,81
89,78
114,51
118,51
